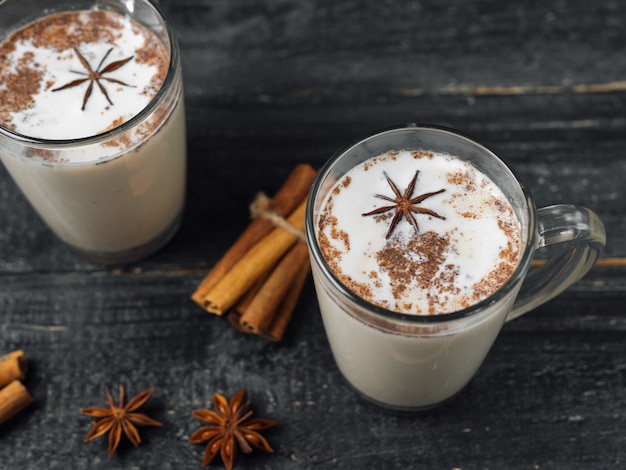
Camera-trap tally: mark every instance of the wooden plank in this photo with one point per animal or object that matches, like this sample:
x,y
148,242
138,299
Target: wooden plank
x,y
141,330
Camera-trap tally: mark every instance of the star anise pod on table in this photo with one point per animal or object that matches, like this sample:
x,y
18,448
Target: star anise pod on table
x,y
230,428
92,76
119,418
404,205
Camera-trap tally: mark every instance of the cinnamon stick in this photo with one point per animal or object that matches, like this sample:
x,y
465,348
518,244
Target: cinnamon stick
x,y
234,315
233,318
254,264
244,302
286,308
13,366
13,399
258,316
290,194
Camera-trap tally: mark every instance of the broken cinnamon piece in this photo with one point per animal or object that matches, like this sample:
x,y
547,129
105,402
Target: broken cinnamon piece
x,y
258,316
13,366
13,399
286,308
254,264
291,193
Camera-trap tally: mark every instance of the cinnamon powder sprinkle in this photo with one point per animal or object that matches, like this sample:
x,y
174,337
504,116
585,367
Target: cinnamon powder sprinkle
x,y
18,88
417,264
462,178
417,154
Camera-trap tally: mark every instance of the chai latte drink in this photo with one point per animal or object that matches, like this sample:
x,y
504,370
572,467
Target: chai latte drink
x,y
92,127
420,233
420,240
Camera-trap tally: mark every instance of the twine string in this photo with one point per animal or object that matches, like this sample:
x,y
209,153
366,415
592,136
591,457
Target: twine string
x,y
260,208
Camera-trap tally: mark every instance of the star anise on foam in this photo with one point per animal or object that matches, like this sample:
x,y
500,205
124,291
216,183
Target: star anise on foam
x,y
228,428
119,418
404,205
92,76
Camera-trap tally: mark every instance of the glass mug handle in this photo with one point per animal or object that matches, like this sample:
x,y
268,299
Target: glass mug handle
x,y
582,236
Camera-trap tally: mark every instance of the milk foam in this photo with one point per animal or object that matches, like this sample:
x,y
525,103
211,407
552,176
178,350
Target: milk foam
x,y
450,264
58,114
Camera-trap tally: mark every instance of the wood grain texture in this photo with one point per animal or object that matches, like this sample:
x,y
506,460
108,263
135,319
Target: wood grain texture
x,y
272,83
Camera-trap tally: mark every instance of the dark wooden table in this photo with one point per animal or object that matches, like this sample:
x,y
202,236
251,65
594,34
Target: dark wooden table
x,y
272,83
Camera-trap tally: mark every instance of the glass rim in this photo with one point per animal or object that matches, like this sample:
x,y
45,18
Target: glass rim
x,y
125,126
391,315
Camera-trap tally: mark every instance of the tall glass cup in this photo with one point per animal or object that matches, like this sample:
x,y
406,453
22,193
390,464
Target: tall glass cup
x,y
413,362
116,196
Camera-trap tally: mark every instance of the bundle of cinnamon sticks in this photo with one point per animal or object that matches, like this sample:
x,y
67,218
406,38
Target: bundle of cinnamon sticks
x,y
259,279
13,395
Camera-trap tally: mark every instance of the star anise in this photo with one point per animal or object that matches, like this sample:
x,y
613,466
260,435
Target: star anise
x,y
119,418
404,205
230,427
92,76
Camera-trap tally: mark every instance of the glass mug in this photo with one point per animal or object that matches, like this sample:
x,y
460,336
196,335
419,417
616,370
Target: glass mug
x,y
117,196
414,362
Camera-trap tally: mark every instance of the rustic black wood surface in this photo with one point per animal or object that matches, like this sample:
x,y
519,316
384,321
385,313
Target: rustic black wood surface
x,y
269,84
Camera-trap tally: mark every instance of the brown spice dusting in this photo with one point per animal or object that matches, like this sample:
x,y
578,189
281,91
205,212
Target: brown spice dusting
x,y
341,235
509,257
464,179
63,31
332,254
491,283
417,154
42,154
344,184
417,264
118,122
25,80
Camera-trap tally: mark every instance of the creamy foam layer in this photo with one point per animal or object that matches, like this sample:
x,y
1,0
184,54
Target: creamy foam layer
x,y
452,262
41,63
